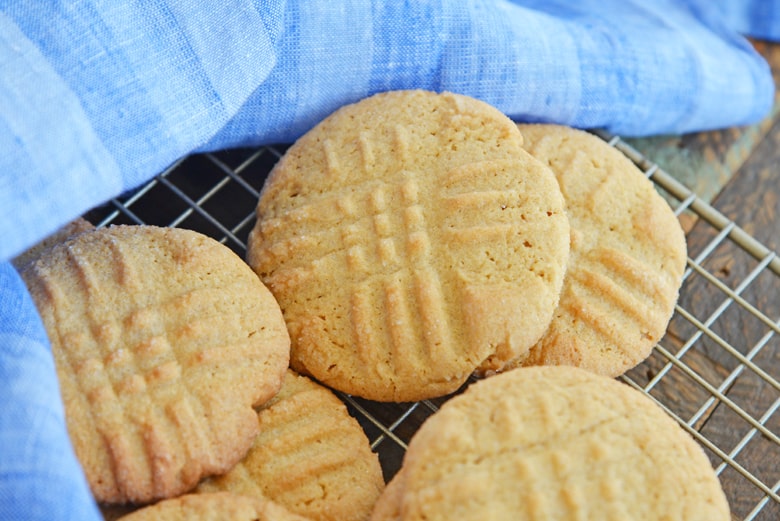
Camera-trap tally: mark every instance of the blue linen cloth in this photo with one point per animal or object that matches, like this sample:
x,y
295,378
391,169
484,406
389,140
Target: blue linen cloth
x,y
96,97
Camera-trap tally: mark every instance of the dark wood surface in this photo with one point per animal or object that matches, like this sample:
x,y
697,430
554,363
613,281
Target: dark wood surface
x,y
738,172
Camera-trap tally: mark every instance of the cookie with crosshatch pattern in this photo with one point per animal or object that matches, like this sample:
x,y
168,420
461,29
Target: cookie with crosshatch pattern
x,y
217,506
552,442
310,456
627,260
163,340
410,240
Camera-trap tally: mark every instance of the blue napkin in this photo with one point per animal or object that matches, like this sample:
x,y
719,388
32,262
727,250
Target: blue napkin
x,y
40,477
96,97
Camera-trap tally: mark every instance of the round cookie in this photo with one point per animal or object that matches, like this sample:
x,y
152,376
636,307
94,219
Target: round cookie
x,y
628,255
163,340
311,456
410,240
555,442
218,506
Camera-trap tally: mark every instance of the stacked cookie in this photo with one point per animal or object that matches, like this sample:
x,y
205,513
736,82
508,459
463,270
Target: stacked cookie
x,y
410,241
310,456
413,239
628,255
163,342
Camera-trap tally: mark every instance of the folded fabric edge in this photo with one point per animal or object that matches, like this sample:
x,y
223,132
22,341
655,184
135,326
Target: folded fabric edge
x,y
102,104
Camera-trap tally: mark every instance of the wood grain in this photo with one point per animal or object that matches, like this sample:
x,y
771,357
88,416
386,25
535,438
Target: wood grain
x,y
751,198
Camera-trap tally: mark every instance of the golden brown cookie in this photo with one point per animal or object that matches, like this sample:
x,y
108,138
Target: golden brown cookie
x,y
310,456
163,341
555,442
219,506
627,258
409,240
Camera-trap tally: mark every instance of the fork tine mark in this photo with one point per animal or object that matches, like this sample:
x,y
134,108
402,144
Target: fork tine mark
x,y
398,320
401,145
332,163
365,146
434,321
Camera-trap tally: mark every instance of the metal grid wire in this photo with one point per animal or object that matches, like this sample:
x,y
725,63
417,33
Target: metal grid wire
x,y
716,371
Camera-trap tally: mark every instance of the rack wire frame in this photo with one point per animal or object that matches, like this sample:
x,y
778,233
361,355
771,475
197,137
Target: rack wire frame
x,y
216,194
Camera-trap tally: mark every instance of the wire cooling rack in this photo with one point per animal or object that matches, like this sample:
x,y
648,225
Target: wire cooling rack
x,y
716,371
